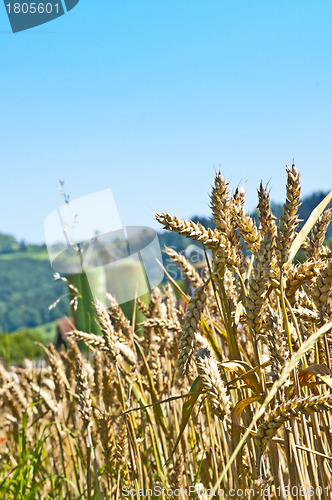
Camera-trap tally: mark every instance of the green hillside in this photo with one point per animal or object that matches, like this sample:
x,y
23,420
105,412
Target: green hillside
x,y
27,288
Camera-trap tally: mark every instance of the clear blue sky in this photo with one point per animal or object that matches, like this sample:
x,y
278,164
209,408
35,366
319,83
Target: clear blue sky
x,y
149,97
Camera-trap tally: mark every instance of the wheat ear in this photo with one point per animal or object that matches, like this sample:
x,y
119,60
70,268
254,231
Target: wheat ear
x,y
212,382
285,411
190,327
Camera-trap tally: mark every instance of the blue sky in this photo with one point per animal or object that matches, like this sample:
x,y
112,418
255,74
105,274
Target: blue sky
x,y
150,97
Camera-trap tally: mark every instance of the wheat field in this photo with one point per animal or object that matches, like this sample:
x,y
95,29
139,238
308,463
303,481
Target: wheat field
x,y
225,393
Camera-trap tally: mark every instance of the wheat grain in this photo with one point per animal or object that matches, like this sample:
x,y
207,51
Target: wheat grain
x,y
190,326
258,284
109,335
285,411
266,217
89,339
301,274
289,220
186,267
322,290
248,229
143,307
208,371
106,438
318,233
213,239
59,376
83,392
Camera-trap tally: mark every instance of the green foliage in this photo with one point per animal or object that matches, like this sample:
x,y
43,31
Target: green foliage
x,y
84,314
8,243
300,256
15,347
23,484
48,332
27,289
23,479
328,243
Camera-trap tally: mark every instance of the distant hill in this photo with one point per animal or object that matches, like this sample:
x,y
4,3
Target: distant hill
x,y
27,287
